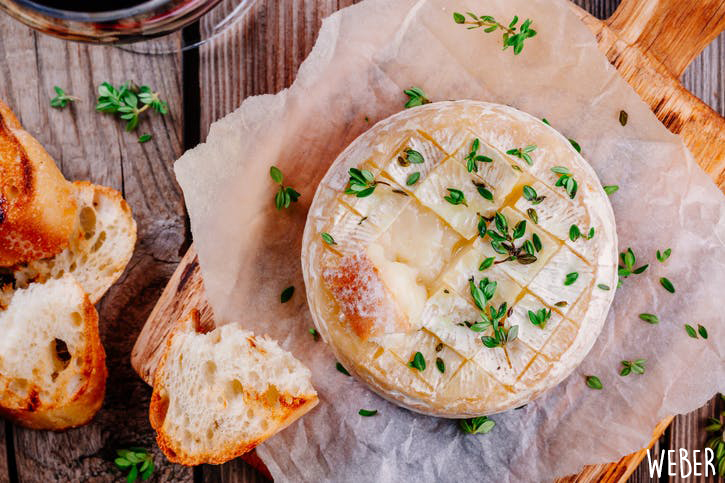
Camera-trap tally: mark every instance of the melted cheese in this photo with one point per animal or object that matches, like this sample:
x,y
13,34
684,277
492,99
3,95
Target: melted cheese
x,y
398,280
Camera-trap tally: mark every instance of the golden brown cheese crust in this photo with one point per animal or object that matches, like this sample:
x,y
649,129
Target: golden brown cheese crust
x,y
37,208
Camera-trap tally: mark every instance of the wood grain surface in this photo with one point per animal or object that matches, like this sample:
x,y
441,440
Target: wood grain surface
x,y
268,48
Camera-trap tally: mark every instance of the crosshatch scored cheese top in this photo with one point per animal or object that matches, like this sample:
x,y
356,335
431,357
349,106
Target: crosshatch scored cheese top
x,y
460,258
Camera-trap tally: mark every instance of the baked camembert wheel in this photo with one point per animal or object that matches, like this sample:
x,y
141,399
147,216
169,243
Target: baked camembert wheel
x,y
460,258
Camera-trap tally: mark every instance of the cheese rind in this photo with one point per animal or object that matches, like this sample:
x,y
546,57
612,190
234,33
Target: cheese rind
x,y
409,253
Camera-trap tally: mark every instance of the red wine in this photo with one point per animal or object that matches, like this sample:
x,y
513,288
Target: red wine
x,y
88,6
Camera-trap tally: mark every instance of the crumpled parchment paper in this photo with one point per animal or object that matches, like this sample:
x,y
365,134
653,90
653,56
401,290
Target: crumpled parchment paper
x,y
364,57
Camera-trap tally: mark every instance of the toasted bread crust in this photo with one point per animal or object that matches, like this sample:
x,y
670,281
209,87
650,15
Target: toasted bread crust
x,y
32,412
36,203
295,408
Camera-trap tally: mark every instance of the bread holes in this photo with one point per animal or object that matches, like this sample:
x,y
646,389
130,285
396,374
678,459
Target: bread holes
x,y
76,319
271,396
209,371
61,357
233,390
12,193
99,242
87,219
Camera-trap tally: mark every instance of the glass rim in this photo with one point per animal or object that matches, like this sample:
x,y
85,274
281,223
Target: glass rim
x,y
107,16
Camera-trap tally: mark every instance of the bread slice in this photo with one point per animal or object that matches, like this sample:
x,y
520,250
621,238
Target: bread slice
x,y
218,395
101,245
52,363
36,203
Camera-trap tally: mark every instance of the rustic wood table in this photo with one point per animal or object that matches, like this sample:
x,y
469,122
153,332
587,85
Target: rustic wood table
x,y
201,86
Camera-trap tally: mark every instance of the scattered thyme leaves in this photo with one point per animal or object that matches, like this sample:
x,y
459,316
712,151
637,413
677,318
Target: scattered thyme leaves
x,y
144,138
663,256
367,412
576,146
667,285
511,38
137,461
412,178
523,153
486,263
691,331
571,278
604,287
566,180
362,183
636,366
611,189
440,365
417,362
479,425
533,215
540,317
455,197
649,318
483,191
286,294
627,262
327,238
594,382
129,102
61,99
532,196
341,368
315,335
623,117
286,195
702,331
416,97
473,157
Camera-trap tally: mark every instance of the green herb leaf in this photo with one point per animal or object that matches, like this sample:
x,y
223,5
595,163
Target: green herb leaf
x,y
455,197
416,97
479,425
511,38
440,365
533,215
603,287
483,191
412,178
691,331
610,189
417,362
574,233
327,238
594,382
519,229
368,412
287,294
667,285
486,263
571,278
275,174
413,156
124,102
61,99
523,153
362,183
576,146
661,257
341,368
144,138
458,17
623,117
702,331
650,318
314,334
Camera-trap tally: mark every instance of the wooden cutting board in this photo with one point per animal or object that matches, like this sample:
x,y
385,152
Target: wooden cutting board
x,y
650,42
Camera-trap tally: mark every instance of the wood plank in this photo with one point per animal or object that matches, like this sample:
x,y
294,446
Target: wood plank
x,y
89,145
4,470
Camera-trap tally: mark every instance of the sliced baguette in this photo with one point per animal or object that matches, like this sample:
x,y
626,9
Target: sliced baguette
x,y
101,245
36,203
52,363
218,395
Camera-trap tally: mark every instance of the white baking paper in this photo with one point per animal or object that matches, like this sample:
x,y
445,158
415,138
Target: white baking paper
x,y
364,57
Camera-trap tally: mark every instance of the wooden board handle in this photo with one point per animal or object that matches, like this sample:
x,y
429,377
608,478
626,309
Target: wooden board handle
x,y
672,31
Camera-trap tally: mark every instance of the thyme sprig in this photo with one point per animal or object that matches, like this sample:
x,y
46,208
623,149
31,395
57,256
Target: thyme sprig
x,y
410,156
493,318
566,180
540,317
575,233
663,256
636,366
717,441
286,194
511,38
523,153
362,183
503,240
61,99
626,266
473,157
532,196
479,425
594,383
124,101
416,97
137,461
455,197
